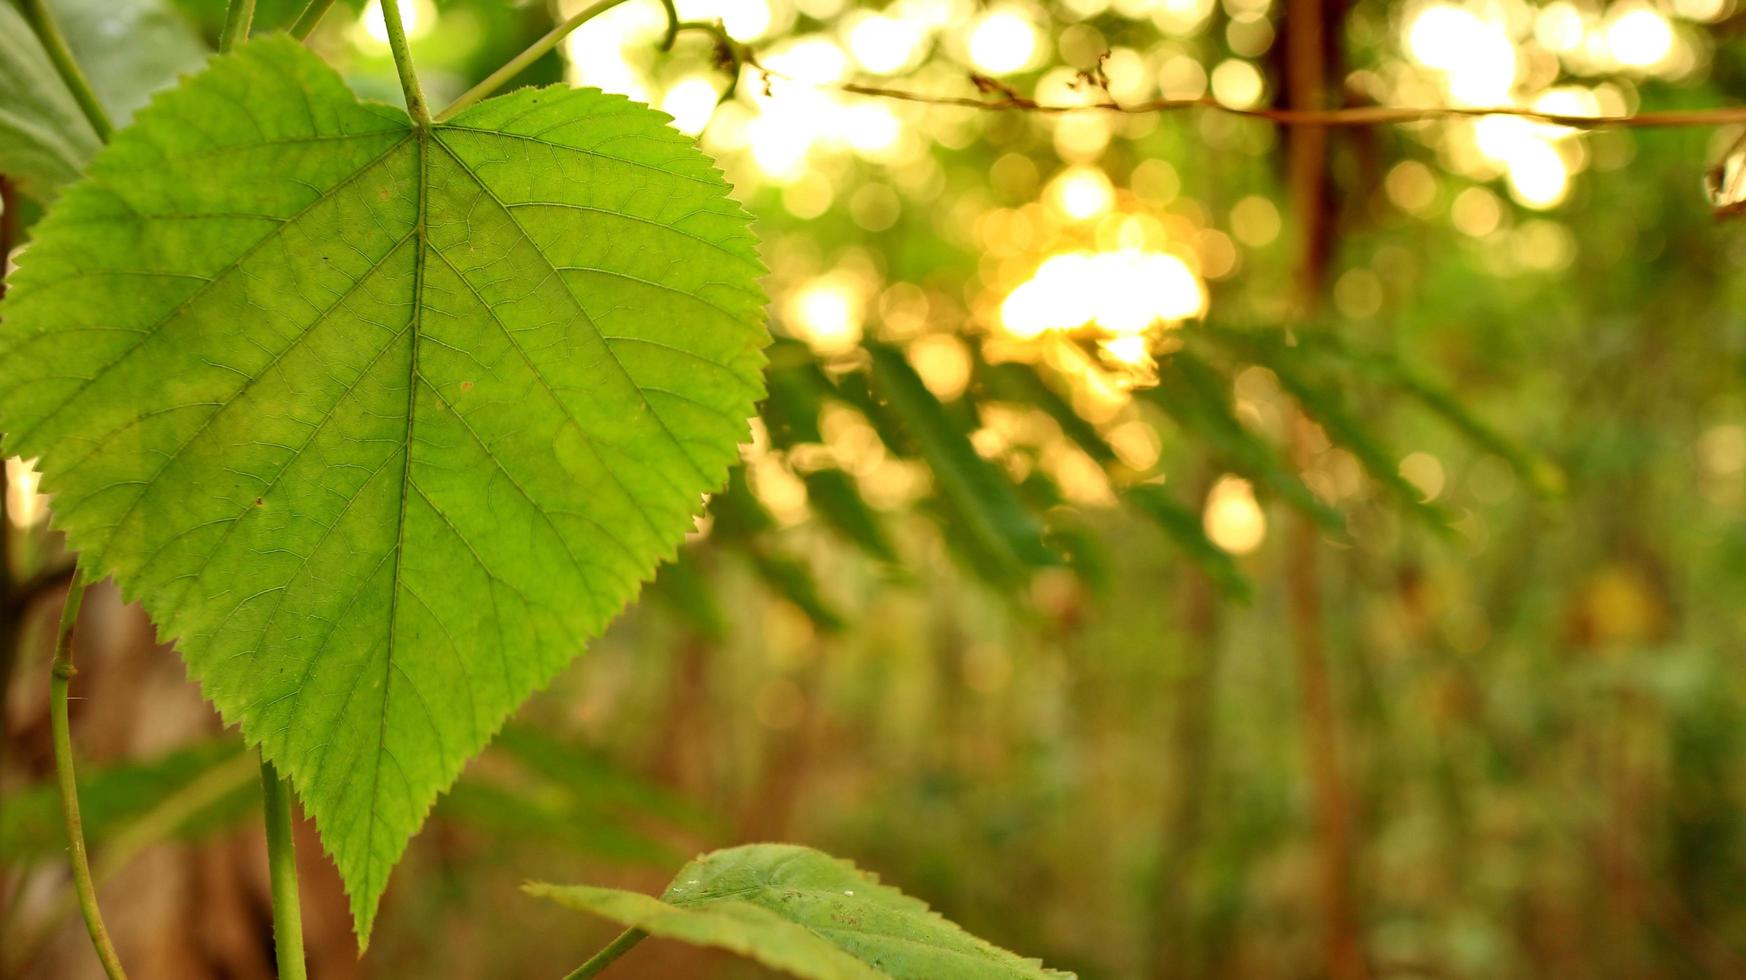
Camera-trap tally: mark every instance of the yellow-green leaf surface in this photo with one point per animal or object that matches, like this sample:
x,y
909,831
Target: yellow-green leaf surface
x,y
806,913
381,423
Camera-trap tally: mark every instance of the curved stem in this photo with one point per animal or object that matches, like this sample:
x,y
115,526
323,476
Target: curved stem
x,y
36,12
311,16
672,25
415,106
237,18
605,958
535,52
282,871
731,55
61,675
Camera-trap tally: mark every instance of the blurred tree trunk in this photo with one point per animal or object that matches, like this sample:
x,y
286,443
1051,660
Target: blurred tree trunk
x,y
1177,950
1312,32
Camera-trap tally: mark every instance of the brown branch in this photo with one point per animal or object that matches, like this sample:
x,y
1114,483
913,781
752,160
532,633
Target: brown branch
x,y
1008,100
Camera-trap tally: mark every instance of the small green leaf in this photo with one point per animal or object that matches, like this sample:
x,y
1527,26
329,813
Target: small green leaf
x,y
381,423
806,913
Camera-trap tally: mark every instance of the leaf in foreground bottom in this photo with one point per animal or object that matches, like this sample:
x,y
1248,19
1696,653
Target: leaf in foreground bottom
x,y
804,912
381,423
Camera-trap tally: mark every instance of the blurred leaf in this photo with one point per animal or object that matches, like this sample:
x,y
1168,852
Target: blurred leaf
x,y
1021,384
1085,552
1539,472
589,775
741,523
736,513
44,138
129,50
790,578
113,800
681,585
518,815
835,498
798,390
1198,399
1003,538
1184,526
565,792
1325,404
806,913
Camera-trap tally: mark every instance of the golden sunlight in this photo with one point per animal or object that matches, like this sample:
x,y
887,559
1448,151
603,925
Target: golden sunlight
x,y
1233,519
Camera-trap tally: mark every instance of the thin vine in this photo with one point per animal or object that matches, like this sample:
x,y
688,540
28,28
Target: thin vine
x,y
60,680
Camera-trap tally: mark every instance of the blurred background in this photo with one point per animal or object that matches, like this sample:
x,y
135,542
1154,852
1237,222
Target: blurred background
x,y
1175,545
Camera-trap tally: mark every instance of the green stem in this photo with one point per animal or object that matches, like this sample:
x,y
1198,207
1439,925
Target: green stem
x,y
605,958
237,19
415,106
310,17
37,14
672,25
534,52
61,675
282,870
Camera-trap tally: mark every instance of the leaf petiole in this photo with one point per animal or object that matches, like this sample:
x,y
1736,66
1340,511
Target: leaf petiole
x,y
282,874
538,50
237,18
37,13
310,18
606,957
415,104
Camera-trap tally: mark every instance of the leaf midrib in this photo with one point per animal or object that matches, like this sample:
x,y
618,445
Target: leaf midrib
x,y
422,134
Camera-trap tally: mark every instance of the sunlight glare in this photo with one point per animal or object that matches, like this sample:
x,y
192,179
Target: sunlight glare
x,y
826,312
690,101
1121,292
25,506
415,17
1639,37
1002,42
1233,518
1082,193
883,45
1475,54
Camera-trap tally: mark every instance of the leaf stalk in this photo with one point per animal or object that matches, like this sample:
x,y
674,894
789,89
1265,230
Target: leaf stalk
x,y
311,16
282,873
43,23
237,18
535,52
60,677
415,104
606,957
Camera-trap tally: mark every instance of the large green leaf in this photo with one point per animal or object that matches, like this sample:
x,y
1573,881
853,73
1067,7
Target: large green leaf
x,y
806,913
381,423
44,138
